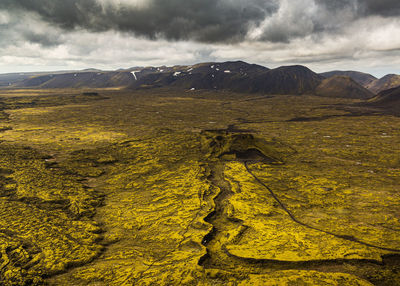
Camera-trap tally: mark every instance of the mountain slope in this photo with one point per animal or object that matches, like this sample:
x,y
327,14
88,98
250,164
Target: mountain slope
x,y
389,96
79,80
386,82
361,78
285,80
342,86
388,100
12,78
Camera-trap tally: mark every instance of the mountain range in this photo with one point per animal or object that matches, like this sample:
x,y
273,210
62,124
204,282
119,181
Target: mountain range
x,y
235,76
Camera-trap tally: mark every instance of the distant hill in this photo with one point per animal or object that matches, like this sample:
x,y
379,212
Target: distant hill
x,y
10,79
342,86
90,70
286,80
78,79
389,96
386,82
361,78
388,100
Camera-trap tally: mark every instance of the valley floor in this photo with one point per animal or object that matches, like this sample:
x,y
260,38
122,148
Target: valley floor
x,y
162,187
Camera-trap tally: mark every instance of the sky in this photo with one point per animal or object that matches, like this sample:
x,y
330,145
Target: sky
x,y
44,35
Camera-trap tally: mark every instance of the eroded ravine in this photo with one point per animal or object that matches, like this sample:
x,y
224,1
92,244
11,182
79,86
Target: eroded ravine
x,y
224,225
214,241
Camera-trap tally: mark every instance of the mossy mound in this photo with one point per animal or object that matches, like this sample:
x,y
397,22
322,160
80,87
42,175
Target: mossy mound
x,y
240,146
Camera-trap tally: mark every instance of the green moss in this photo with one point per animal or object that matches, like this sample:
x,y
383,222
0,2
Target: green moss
x,y
39,207
136,170
274,235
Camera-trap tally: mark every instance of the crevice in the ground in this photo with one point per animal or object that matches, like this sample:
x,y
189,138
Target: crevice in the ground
x,y
296,220
326,117
218,256
219,219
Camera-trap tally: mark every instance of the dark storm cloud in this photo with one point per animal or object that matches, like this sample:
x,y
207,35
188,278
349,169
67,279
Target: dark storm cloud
x,y
16,29
362,8
199,20
381,7
45,40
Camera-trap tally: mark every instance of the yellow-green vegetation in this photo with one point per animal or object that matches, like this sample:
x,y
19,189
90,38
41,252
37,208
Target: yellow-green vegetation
x,y
273,234
154,214
160,187
39,209
304,278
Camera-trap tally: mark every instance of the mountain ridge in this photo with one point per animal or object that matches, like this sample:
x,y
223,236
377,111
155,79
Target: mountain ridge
x,y
235,76
360,77
343,86
388,100
387,82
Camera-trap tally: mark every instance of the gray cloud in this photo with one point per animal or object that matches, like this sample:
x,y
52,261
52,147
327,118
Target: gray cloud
x,y
385,8
362,8
208,21
17,29
317,18
326,34
43,39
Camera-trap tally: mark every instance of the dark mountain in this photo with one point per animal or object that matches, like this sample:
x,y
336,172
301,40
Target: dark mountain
x,y
13,78
283,80
388,100
342,86
91,70
79,79
361,78
23,79
199,76
389,96
235,76
387,82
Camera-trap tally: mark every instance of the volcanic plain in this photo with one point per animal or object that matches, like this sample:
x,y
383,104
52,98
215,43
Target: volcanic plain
x,y
190,187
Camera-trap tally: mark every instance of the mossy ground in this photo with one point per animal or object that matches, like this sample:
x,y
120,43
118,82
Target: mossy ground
x,y
126,188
